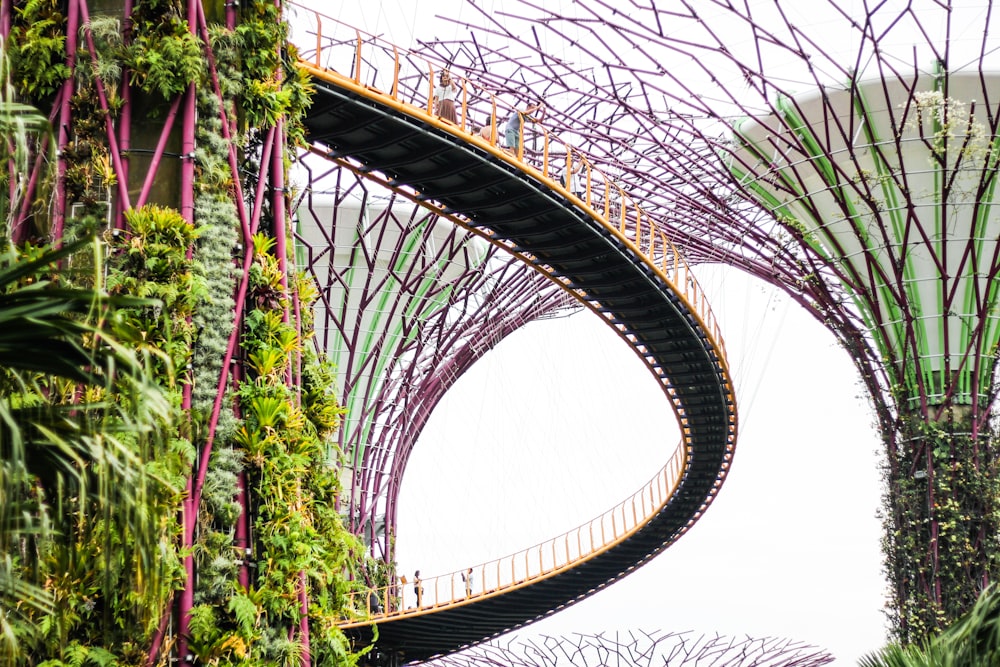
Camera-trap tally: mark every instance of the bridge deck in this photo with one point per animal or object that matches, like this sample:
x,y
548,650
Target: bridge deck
x,y
521,211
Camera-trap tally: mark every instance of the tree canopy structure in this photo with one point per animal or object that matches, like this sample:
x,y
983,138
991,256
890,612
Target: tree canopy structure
x,y
408,301
641,649
846,153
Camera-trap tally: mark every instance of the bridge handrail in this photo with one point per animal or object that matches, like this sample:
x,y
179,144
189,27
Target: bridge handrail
x,y
525,566
615,210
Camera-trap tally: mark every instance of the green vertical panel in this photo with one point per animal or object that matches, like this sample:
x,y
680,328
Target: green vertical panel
x,y
923,291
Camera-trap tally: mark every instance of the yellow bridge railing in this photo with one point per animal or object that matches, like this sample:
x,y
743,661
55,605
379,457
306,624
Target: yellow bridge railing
x,y
415,596
364,62
405,79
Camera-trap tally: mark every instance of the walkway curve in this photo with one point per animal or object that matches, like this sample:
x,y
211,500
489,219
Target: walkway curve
x,y
649,298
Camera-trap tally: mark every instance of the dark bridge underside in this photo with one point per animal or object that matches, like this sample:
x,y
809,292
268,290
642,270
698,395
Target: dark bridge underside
x,y
495,195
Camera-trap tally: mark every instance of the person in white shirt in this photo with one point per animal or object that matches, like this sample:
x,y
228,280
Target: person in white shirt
x,y
445,95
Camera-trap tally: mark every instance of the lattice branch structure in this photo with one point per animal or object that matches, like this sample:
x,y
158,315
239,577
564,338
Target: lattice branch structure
x,y
638,648
409,301
846,154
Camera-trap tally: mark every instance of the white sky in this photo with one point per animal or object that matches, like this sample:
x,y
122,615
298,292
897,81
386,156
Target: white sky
x,y
561,422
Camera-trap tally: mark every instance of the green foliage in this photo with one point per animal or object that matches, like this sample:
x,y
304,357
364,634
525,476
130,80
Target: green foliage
x,y
971,641
261,34
266,277
942,526
226,45
273,87
102,585
286,436
109,45
157,243
25,129
37,48
299,87
150,260
319,397
89,174
164,57
213,267
79,419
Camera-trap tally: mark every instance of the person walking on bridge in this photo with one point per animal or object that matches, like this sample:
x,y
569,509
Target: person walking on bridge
x,y
514,130
418,588
445,95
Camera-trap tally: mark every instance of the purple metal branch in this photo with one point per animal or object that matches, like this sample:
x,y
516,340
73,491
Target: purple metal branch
x,y
64,116
161,146
19,230
278,216
112,136
125,121
190,118
686,183
485,296
5,8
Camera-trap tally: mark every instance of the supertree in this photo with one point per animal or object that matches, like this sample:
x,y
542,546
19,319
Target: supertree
x,y
846,155
641,649
408,301
172,126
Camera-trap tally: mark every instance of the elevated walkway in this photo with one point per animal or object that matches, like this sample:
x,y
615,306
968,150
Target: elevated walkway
x,y
623,269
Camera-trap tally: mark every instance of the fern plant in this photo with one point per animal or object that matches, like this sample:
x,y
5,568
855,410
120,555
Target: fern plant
x,y
37,49
165,57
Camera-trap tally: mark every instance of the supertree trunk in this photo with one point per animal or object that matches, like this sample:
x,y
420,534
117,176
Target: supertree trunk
x,y
171,121
848,157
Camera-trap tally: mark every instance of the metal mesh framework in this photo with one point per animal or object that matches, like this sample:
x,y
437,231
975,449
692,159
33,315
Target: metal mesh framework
x,y
408,303
641,649
846,155
651,97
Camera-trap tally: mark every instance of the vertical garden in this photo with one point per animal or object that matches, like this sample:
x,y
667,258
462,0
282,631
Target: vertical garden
x,y
165,421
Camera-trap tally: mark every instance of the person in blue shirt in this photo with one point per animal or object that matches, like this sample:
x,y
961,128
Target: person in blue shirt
x,y
514,130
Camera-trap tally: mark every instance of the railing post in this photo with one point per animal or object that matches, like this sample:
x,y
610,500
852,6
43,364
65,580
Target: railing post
x,y
430,89
545,152
319,38
357,59
494,133
395,72
465,100
607,193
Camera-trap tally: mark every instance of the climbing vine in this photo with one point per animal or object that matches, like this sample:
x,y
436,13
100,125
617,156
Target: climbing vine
x,y
942,514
